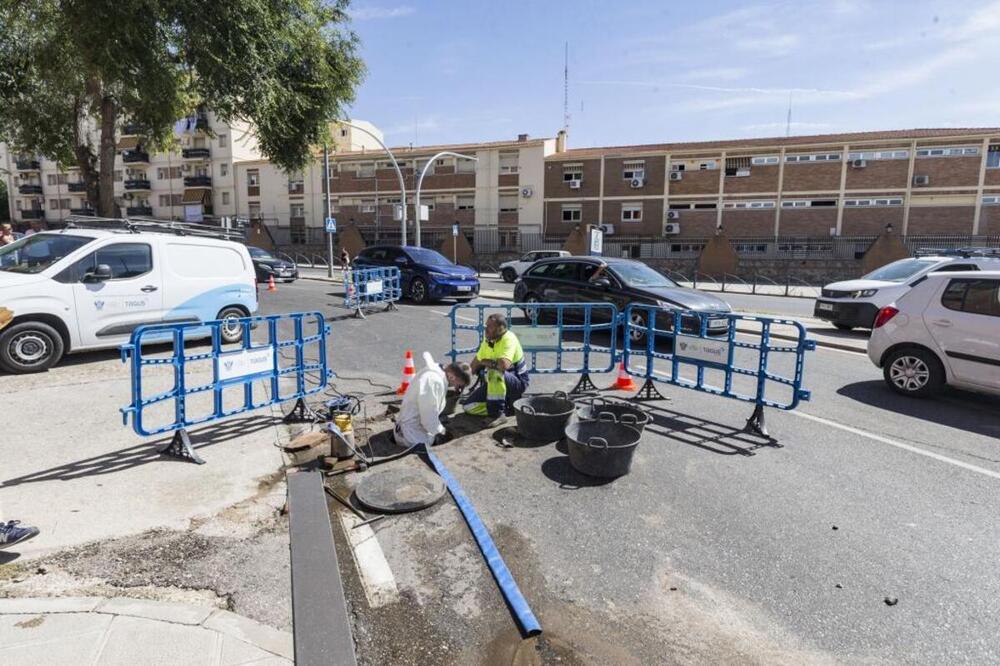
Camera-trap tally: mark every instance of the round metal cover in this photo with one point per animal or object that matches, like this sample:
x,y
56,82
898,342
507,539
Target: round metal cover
x,y
400,490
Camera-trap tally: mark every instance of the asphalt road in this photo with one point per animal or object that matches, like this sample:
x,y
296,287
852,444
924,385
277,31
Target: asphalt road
x,y
868,535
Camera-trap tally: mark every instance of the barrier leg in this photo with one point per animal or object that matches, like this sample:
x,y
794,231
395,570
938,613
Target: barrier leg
x,y
359,313
301,412
390,305
584,385
180,447
755,423
648,392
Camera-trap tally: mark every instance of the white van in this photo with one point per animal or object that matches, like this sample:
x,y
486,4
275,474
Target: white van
x,y
80,289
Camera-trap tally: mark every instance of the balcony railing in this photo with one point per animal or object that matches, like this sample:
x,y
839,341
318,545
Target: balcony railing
x,y
133,156
76,187
139,210
137,184
197,181
81,211
27,165
196,153
29,189
32,214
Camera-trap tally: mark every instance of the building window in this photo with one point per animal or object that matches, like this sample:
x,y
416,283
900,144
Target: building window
x,y
508,203
298,210
55,179
223,141
343,132
747,205
223,169
368,206
871,156
959,151
677,166
706,206
993,157
738,166
366,170
764,160
809,203
632,212
253,177
708,165
991,201
296,183
254,209
53,204
465,202
572,172
465,166
572,212
818,157
508,163
225,198
679,206
873,203
633,169
118,175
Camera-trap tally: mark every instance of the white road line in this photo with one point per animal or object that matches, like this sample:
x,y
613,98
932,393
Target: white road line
x,y
376,576
447,314
900,445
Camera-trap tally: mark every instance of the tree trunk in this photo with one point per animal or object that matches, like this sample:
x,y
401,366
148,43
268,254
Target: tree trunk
x,y
106,201
85,158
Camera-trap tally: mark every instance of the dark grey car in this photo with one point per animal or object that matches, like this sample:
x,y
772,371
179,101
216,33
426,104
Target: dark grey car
x,y
571,280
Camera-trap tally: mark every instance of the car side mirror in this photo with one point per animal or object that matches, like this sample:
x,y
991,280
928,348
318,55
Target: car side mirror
x,y
99,273
603,283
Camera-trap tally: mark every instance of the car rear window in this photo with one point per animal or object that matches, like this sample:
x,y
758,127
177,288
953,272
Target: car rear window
x,y
973,296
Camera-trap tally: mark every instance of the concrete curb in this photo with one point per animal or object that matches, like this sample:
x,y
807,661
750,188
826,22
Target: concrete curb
x,y
237,627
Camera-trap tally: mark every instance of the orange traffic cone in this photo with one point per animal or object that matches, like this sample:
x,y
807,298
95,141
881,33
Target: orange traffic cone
x,y
624,382
408,372
270,284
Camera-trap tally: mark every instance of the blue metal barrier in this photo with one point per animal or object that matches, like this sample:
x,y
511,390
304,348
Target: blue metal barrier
x,y
365,287
546,346
247,364
708,341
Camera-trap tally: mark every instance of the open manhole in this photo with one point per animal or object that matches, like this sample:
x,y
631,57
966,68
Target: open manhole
x,y
400,490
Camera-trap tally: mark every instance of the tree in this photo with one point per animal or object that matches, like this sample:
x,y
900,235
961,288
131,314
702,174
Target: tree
x,y
4,202
73,69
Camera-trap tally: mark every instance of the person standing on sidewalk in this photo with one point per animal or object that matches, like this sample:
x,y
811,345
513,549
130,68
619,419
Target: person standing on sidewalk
x,y
6,234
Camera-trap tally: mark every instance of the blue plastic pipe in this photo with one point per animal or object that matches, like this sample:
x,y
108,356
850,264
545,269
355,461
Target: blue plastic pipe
x,y
505,581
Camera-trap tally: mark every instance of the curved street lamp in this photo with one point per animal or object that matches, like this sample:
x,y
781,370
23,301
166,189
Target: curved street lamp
x,y
416,198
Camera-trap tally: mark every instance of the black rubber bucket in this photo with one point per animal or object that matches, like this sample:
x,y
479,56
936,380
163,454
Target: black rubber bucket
x,y
601,448
543,418
602,409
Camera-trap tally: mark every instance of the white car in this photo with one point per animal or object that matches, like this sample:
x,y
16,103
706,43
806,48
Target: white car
x,y
511,270
82,288
945,330
854,303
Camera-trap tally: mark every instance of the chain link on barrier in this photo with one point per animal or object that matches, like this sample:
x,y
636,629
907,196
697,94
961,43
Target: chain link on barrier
x,y
365,287
263,373
557,338
696,340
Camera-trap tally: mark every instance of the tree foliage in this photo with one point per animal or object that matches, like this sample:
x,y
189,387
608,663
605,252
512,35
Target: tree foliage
x,y
73,69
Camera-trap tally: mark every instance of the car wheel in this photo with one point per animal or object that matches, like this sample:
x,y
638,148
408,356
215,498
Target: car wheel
x,y
508,275
418,291
636,329
231,330
31,346
914,372
532,314
844,327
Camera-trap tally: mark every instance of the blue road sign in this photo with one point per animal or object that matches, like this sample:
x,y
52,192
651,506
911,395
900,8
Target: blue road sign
x,y
331,225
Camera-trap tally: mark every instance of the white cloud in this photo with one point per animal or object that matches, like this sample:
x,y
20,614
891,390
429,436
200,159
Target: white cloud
x,y
714,74
370,13
769,45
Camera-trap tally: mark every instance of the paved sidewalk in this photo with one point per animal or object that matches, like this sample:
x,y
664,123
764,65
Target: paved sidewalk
x,y
107,632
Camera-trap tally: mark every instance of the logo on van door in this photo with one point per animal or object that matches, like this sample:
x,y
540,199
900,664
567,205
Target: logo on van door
x,y
99,305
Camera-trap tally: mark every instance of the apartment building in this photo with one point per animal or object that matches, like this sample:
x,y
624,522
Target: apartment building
x,y
192,182
928,181
500,190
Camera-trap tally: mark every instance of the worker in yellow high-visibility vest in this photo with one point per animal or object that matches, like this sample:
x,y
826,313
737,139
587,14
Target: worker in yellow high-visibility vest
x,y
501,359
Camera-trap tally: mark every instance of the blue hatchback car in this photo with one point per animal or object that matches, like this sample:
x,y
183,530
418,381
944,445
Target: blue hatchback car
x,y
426,275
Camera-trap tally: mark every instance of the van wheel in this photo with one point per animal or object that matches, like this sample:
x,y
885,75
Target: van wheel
x,y
31,346
231,330
914,372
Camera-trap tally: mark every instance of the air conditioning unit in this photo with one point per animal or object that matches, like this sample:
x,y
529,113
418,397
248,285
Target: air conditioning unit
x,y
671,228
608,229
636,183
526,192
921,180
742,173
575,184
859,164
673,215
676,175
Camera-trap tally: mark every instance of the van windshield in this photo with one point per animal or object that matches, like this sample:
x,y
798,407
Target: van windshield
x,y
898,271
35,253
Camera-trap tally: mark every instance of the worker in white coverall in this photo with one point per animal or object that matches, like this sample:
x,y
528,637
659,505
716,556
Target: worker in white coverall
x,y
419,420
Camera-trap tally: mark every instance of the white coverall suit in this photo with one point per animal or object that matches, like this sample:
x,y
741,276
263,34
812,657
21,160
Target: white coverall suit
x,y
419,416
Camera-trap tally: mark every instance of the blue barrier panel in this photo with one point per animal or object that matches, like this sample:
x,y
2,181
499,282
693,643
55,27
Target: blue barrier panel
x,y
263,373
365,287
557,338
702,343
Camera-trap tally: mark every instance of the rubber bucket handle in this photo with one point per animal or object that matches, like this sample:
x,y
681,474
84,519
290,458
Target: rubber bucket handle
x,y
560,394
631,419
528,409
611,417
601,440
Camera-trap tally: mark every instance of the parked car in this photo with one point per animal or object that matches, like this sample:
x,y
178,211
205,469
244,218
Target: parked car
x,y
945,330
425,275
80,289
854,303
511,270
266,266
625,281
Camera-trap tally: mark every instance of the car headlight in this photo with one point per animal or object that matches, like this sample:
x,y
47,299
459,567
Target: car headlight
x,y
863,293
439,276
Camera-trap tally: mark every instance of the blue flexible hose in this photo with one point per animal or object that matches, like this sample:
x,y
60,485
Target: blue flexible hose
x,y
505,581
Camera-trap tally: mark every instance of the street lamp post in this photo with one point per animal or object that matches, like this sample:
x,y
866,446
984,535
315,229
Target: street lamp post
x,y
399,174
416,197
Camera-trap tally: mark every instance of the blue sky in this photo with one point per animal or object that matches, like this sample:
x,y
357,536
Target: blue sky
x,y
657,71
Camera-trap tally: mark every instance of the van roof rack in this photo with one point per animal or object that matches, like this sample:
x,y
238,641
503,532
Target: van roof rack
x,y
958,252
135,225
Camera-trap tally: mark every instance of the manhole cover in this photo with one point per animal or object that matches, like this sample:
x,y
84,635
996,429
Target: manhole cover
x,y
400,490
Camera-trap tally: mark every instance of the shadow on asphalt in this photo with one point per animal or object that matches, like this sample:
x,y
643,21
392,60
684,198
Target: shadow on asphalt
x,y
708,435
952,408
559,469
144,453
